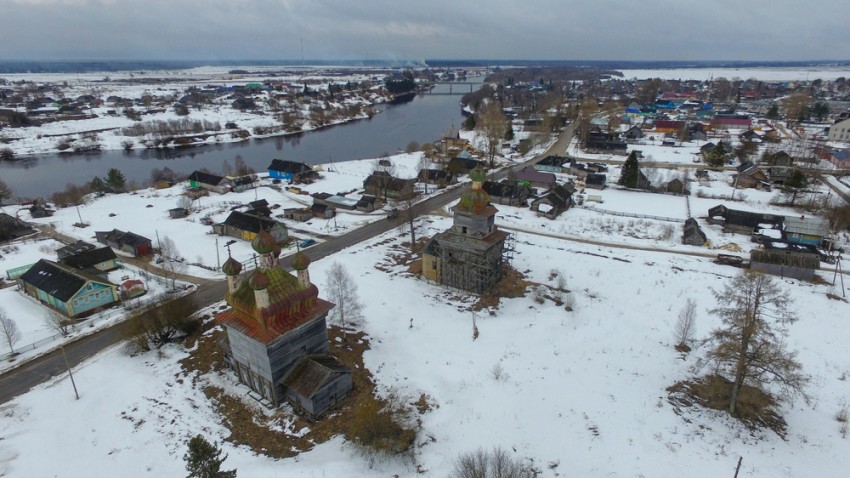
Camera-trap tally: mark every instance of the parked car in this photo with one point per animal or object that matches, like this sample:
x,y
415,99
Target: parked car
x,y
306,243
392,213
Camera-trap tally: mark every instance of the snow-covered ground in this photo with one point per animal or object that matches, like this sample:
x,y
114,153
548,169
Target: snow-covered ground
x,y
109,119
745,73
580,393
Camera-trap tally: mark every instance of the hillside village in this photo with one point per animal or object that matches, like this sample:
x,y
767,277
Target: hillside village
x,y
529,290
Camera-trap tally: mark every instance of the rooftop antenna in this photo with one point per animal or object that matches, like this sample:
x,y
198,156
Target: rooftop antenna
x,y
302,52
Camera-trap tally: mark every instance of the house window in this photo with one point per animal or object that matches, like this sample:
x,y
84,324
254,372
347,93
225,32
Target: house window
x,y
434,265
464,229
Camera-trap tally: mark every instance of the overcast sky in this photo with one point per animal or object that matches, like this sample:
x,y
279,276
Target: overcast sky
x,y
773,30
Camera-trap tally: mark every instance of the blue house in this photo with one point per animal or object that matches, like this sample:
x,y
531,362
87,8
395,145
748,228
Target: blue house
x,y
290,171
71,292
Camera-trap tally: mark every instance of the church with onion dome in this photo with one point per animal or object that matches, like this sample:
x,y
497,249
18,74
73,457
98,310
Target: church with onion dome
x,y
471,254
277,332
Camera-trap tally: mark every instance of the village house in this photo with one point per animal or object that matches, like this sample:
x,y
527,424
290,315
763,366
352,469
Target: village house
x,y
383,185
209,182
247,226
277,334
551,164
805,230
534,178
96,261
71,292
13,228
437,177
300,214
291,171
463,164
127,242
743,222
470,255
507,193
555,201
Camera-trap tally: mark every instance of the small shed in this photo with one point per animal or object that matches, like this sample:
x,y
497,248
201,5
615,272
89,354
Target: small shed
x,y
316,383
178,213
692,235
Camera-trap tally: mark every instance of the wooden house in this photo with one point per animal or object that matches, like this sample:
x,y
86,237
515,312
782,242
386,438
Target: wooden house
x,y
595,181
291,171
239,184
555,201
95,260
534,178
71,292
463,164
368,203
276,320
507,193
751,176
73,249
127,242
13,228
178,213
805,230
383,185
322,210
743,222
633,133
247,226
315,384
437,177
551,164
300,214
209,182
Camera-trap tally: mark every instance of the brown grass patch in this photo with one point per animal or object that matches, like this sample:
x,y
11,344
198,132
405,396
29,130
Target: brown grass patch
x,y
756,409
263,430
512,285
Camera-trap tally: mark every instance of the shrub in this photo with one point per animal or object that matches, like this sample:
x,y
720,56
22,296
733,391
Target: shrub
x,y
380,427
495,463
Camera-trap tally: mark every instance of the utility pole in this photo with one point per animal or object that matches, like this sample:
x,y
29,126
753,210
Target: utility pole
x,y
70,374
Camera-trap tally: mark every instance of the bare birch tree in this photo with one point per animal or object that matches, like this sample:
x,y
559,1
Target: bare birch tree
x,y
9,331
342,291
686,326
171,259
749,345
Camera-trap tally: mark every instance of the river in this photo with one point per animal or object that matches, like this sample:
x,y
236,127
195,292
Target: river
x,y
423,119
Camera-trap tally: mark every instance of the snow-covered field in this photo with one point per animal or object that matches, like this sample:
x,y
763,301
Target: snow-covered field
x,y
745,73
580,393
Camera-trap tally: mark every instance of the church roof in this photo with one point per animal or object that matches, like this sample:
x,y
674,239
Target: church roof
x,y
291,305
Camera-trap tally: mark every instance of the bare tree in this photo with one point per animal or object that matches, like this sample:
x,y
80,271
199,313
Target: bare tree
x,y
411,221
493,124
9,330
342,291
171,260
168,321
242,168
58,322
5,192
686,326
184,201
749,346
